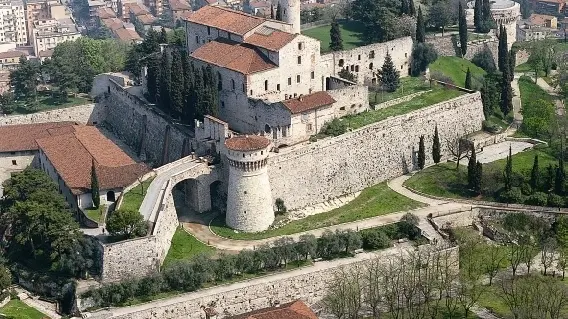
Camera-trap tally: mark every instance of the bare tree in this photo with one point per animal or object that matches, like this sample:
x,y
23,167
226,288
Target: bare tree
x,y
459,149
562,261
493,259
469,290
548,254
373,291
343,298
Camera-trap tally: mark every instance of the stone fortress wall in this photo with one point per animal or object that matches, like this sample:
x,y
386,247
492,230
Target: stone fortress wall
x,y
91,113
308,284
372,154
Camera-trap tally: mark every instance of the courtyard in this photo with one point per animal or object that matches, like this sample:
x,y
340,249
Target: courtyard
x,y
351,32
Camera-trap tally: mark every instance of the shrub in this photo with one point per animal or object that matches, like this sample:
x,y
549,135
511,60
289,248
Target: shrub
x,y
555,200
408,226
537,199
127,224
490,127
422,55
334,128
484,59
526,189
514,195
375,239
437,75
280,207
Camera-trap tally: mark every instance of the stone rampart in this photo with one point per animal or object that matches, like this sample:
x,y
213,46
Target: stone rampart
x,y
446,46
142,128
86,114
329,168
350,99
308,284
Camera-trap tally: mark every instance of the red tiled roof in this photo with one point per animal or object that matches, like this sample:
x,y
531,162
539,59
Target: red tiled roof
x,y
23,137
11,54
73,153
113,23
540,19
105,13
293,310
46,53
270,39
308,102
178,5
247,143
146,18
136,9
236,22
127,35
234,56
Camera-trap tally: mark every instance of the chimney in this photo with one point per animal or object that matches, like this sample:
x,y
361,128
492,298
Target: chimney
x,y
301,98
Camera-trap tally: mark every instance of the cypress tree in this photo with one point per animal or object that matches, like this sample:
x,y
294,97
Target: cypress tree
x,y
512,61
560,177
478,178
506,93
95,186
404,9
177,86
503,52
421,153
336,43
477,15
272,12
486,14
471,168
436,146
550,173
279,12
152,75
462,29
468,79
163,36
388,75
165,83
188,112
535,175
420,27
411,8
508,174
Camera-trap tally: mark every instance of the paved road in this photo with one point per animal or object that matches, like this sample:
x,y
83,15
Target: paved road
x,y
159,182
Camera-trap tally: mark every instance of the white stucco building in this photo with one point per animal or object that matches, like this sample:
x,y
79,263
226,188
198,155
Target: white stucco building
x,y
13,22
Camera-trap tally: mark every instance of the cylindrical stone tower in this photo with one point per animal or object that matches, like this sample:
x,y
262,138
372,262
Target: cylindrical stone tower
x,y
291,14
249,198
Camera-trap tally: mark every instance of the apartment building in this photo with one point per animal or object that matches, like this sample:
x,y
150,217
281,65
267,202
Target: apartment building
x,y
13,22
49,33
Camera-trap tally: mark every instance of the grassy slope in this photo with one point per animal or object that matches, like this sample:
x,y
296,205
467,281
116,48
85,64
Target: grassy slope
x,y
47,102
133,198
438,94
456,69
18,309
94,213
537,116
373,201
351,33
185,246
445,181
408,85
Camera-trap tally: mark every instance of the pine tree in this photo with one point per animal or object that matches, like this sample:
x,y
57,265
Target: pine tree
x,y
420,27
462,29
177,86
478,178
336,43
535,175
436,146
508,174
163,36
471,168
95,186
506,93
421,153
279,12
468,80
388,75
477,15
165,84
411,8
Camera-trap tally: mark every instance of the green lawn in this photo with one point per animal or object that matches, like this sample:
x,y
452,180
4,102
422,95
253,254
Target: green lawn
x,y
185,246
351,33
48,102
472,36
456,69
133,198
408,85
538,109
17,309
95,214
437,95
373,201
445,181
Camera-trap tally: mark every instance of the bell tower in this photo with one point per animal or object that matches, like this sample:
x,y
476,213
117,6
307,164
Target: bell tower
x,y
291,13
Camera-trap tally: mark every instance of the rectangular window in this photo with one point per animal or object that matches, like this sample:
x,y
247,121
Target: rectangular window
x,y
372,54
289,81
313,75
277,87
197,39
222,104
209,30
298,78
359,57
309,127
299,60
14,162
299,45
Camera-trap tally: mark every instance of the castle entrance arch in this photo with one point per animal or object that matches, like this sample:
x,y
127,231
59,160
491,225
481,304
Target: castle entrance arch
x,y
218,197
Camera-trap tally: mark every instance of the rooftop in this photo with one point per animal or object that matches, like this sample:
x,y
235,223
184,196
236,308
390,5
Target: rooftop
x,y
236,22
12,54
46,53
127,35
73,150
308,102
270,39
136,9
112,23
292,310
239,57
540,19
105,13
23,137
178,5
146,18
247,143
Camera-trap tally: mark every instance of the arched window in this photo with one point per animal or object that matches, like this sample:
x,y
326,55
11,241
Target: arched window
x,y
371,65
233,84
266,85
